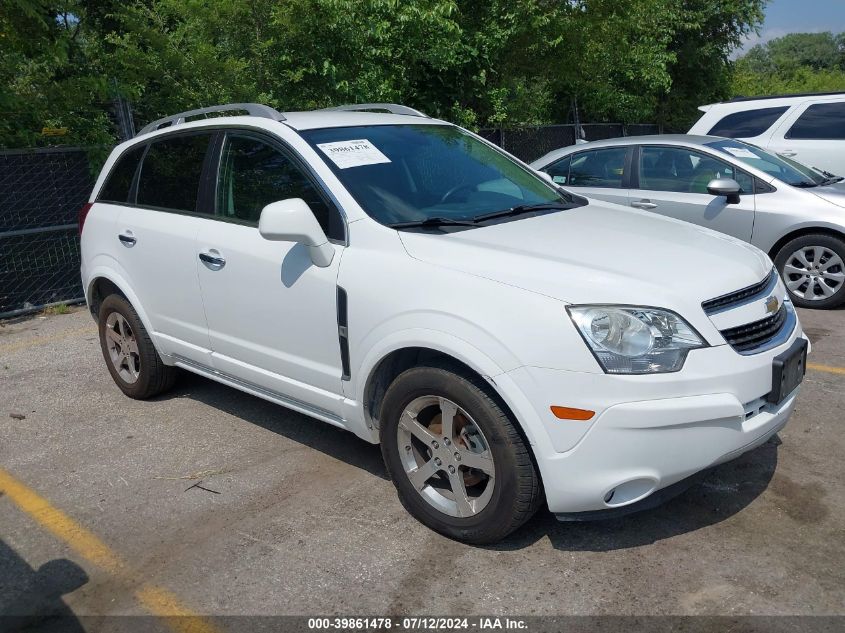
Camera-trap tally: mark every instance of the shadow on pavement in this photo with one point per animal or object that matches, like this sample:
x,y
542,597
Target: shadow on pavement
x,y
309,432
31,599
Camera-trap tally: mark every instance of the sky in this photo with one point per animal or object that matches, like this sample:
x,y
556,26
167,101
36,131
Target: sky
x,y
799,16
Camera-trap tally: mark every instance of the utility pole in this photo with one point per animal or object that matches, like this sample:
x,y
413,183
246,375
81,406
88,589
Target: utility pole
x,y
123,113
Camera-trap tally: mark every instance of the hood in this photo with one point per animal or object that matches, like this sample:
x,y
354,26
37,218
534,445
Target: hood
x,y
600,253
834,193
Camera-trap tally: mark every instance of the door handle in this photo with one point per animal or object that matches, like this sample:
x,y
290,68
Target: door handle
x,y
644,204
787,153
212,260
127,239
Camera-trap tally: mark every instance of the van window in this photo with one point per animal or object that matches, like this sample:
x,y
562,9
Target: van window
x,y
820,121
253,174
171,171
747,123
119,181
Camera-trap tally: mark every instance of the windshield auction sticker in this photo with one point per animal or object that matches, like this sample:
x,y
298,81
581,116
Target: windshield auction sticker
x,y
347,154
740,152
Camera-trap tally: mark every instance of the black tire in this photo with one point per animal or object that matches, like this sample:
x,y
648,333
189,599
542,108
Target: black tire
x,y
829,242
154,377
517,493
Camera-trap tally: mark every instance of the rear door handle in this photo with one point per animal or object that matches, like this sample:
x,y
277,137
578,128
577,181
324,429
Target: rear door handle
x,y
127,239
644,204
212,260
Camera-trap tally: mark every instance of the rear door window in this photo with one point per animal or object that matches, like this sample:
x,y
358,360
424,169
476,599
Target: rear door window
x,y
119,181
598,168
821,121
747,123
171,173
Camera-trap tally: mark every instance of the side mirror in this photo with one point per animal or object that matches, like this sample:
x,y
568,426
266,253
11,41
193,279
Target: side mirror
x,y
292,220
724,187
544,176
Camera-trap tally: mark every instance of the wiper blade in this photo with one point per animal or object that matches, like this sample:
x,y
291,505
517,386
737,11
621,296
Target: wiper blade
x,y
431,222
520,209
805,184
832,180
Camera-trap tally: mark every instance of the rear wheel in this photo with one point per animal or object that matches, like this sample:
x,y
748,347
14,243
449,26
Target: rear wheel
x,y
813,269
130,355
458,462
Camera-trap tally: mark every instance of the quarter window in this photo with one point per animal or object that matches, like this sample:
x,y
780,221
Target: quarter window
x,y
119,181
598,168
253,174
684,171
820,121
171,171
747,123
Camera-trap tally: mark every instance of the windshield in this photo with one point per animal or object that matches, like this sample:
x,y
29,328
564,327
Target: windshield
x,y
431,173
788,171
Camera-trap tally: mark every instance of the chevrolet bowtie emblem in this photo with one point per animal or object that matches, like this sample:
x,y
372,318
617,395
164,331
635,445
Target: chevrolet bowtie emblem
x,y
772,305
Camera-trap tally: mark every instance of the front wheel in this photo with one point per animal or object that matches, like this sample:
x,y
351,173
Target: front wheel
x,y
459,464
813,269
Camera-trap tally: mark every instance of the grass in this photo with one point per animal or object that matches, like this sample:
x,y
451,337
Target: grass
x,y
61,308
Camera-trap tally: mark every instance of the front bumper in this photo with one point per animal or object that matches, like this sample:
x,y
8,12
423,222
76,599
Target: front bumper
x,y
649,432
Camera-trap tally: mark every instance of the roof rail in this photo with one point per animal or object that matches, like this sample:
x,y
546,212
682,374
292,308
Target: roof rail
x,y
393,108
252,109
797,94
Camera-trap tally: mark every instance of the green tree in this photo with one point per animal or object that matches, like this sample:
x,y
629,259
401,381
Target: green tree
x,y
799,62
47,75
478,63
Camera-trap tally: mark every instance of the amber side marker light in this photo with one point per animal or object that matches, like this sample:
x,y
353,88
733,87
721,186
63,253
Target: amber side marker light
x,y
569,413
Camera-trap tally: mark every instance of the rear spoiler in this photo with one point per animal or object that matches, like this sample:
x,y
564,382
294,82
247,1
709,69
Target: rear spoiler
x,y
705,108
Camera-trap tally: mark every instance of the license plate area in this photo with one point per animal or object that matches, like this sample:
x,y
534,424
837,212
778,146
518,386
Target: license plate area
x,y
788,370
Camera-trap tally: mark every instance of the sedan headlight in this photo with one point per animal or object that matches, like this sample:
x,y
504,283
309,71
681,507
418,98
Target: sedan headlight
x,y
635,340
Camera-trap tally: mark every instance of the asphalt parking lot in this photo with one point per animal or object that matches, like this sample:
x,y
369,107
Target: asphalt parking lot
x,y
210,501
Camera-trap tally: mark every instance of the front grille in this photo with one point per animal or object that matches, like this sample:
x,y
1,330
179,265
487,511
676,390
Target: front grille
x,y
752,335
733,299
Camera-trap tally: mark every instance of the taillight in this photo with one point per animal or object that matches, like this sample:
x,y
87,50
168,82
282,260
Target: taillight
x,y
83,213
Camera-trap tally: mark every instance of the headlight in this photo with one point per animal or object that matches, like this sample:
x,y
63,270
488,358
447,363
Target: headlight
x,y
635,340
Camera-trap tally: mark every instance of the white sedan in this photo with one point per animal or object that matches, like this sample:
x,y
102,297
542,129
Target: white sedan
x,y
792,212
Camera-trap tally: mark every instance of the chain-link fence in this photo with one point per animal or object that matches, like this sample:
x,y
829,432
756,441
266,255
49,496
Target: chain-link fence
x,y
41,192
530,143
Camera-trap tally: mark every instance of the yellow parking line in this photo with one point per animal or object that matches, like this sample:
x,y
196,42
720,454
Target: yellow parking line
x,y
157,601
41,340
828,368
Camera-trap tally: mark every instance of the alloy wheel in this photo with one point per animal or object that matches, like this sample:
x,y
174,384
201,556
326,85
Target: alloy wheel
x,y
445,456
814,273
123,348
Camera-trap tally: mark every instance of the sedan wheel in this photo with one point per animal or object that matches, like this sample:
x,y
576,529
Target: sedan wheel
x,y
813,269
814,273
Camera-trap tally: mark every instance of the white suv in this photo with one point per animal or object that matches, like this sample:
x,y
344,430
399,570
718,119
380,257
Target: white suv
x,y
399,277
809,128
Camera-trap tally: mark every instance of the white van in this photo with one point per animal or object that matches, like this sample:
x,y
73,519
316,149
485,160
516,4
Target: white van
x,y
808,128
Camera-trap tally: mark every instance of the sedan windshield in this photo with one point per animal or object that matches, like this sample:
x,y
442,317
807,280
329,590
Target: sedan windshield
x,y
432,176
788,171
